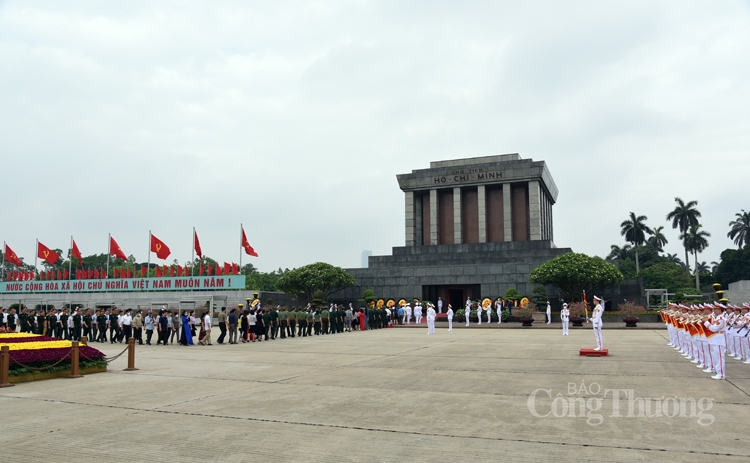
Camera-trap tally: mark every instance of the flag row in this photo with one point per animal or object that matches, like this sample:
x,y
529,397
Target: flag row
x,y
156,246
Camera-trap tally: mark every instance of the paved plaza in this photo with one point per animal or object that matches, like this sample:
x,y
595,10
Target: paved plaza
x,y
394,395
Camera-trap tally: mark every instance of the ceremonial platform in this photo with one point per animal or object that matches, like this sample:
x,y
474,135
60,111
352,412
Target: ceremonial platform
x,y
589,352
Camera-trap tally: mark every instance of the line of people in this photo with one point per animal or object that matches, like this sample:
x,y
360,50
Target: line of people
x,y
704,333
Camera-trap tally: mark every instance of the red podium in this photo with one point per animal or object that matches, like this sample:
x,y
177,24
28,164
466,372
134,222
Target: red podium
x,y
588,352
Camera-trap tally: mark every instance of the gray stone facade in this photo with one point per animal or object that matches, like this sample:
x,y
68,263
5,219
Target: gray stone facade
x,y
411,271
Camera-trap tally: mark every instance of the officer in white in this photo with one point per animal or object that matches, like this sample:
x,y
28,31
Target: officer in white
x,y
407,309
479,313
596,320
549,312
468,311
418,313
499,310
718,342
565,317
450,317
440,305
430,319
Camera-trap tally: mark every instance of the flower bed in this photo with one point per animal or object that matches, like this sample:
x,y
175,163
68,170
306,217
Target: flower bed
x,y
50,354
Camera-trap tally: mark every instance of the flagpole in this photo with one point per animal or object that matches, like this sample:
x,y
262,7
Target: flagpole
x,y
148,266
192,260
36,253
241,243
109,238
70,263
5,250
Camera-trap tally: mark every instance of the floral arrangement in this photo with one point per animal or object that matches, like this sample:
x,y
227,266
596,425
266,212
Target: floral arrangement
x,y
525,301
525,311
402,302
486,303
578,309
391,303
381,302
37,351
630,310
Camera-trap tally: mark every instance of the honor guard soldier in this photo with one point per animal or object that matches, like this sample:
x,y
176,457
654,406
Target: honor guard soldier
x,y
283,321
325,318
292,318
596,321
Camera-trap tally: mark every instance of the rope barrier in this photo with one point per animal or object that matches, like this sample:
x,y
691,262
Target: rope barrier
x,y
46,367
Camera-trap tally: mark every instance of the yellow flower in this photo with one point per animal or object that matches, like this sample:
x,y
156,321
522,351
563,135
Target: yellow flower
x,y
38,345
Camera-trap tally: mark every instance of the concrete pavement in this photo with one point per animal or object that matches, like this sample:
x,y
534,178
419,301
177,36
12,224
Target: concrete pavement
x,y
394,395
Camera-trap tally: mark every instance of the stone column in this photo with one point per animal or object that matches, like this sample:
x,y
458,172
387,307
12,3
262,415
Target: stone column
x,y
481,195
535,211
433,217
507,213
411,221
418,225
457,235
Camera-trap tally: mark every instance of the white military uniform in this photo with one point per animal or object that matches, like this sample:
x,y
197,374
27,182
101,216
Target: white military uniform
x,y
450,318
718,344
596,320
440,305
407,309
479,313
418,313
430,320
489,313
468,311
499,310
565,317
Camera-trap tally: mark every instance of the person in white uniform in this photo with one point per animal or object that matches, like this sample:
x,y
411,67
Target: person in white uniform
x,y
549,312
596,321
565,317
479,313
450,317
468,311
499,310
430,319
418,313
408,311
440,305
718,342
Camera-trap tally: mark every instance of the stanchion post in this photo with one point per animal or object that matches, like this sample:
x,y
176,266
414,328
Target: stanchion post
x,y
4,366
85,341
131,355
74,362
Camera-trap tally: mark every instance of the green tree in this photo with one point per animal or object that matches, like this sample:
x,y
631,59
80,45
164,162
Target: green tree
x,y
666,275
574,273
657,240
695,240
684,216
740,231
634,230
734,266
368,296
619,253
315,277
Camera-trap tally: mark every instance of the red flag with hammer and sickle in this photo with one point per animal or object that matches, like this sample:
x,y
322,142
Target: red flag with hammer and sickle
x,y
162,250
43,252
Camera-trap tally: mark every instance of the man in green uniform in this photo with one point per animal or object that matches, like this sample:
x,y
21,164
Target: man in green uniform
x,y
51,323
283,321
316,321
266,321
114,327
302,322
101,322
65,333
291,322
325,317
76,335
274,321
87,325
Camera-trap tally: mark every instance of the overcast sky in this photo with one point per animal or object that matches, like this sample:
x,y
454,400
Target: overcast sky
x,y
295,117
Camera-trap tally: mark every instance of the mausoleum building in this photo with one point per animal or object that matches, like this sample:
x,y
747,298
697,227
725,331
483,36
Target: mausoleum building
x,y
473,228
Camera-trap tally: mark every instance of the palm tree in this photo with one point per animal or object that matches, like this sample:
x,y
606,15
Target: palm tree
x,y
695,240
634,230
675,260
740,231
714,266
703,268
683,217
619,253
657,239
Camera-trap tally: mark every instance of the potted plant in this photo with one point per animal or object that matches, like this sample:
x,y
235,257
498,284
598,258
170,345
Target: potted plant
x,y
577,313
525,314
630,312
